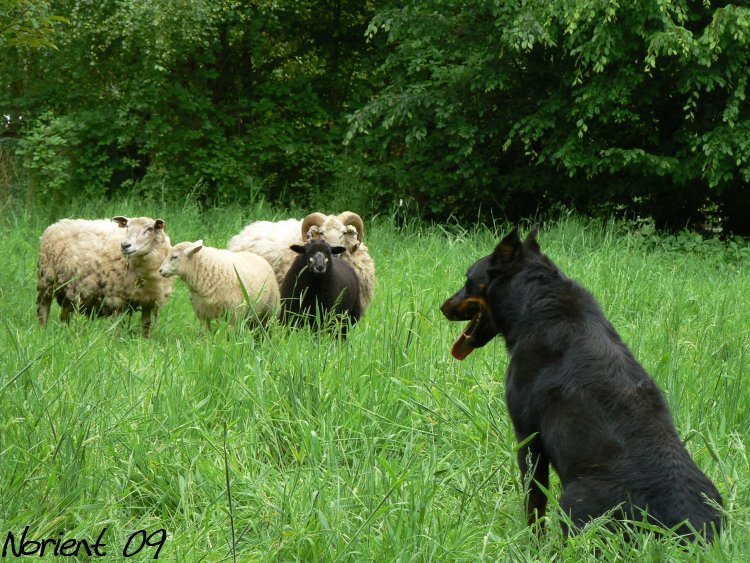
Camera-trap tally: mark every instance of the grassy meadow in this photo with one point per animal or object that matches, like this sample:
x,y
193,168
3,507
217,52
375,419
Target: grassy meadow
x,y
294,447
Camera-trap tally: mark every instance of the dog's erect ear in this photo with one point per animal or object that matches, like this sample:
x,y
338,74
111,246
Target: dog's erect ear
x,y
507,249
530,243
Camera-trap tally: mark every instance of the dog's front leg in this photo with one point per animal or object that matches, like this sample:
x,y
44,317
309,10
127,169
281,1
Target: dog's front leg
x,y
534,467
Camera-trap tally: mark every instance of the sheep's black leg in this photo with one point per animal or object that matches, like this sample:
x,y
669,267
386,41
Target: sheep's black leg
x,y
146,320
43,303
67,309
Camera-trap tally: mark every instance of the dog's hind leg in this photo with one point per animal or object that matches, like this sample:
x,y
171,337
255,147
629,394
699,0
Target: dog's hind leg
x,y
585,499
534,467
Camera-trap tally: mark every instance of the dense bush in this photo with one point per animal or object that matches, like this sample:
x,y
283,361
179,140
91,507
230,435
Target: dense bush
x,y
479,109
227,99
517,106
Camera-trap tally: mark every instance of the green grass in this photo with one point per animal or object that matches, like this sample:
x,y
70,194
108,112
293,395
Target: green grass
x,y
375,449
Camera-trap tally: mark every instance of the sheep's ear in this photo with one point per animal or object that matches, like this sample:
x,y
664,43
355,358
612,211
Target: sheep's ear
x,y
197,245
120,220
297,248
338,249
159,224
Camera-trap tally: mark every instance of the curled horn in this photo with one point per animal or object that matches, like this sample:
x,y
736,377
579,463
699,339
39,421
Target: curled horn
x,y
313,220
351,218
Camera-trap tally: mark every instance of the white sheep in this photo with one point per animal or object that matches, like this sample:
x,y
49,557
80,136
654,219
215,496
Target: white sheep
x,y
213,277
102,267
272,240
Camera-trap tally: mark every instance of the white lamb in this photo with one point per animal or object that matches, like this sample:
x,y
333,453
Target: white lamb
x,y
272,240
213,277
102,267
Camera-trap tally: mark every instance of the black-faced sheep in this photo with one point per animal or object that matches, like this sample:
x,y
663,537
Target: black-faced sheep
x,y
319,286
272,241
213,277
101,267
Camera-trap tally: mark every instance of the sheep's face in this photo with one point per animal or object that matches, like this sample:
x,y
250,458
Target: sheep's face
x,y
143,235
335,233
177,261
318,254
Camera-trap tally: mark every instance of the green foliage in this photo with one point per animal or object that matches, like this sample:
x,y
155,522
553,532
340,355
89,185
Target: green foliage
x,y
517,106
27,23
234,97
43,150
481,109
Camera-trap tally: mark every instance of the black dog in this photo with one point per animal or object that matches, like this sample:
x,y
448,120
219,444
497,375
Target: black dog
x,y
579,397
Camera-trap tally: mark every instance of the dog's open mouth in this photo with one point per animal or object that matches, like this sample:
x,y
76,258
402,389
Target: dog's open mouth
x,y
462,346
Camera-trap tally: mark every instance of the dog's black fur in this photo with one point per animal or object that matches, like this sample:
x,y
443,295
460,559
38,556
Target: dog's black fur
x,y
593,411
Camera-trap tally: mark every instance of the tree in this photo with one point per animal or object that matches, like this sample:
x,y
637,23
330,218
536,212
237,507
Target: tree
x,y
518,106
230,100
27,23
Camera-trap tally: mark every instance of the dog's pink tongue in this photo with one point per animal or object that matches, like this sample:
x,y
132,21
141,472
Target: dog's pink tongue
x,y
461,348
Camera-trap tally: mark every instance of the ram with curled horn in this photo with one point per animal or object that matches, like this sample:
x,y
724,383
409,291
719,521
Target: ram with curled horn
x,y
311,225
272,240
346,229
353,221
